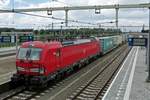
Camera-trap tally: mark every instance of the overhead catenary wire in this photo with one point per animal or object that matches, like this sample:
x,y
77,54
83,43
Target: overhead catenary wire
x,y
76,21
35,15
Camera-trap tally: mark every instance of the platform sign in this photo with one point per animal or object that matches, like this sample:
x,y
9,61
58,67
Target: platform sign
x,y
6,39
26,38
137,41
13,39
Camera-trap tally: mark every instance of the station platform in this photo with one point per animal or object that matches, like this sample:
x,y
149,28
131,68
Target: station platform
x,y
7,49
130,81
7,64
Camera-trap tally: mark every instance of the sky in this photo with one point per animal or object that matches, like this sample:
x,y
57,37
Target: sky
x,y
127,17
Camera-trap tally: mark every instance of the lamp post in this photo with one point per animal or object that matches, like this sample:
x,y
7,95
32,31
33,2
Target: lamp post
x,y
148,63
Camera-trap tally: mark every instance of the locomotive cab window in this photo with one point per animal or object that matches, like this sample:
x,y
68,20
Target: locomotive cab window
x,y
22,53
35,54
29,53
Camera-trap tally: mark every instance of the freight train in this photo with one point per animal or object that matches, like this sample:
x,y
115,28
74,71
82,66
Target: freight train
x,y
39,62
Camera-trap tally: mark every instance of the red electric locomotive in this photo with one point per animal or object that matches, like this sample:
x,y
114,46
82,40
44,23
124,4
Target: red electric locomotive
x,y
38,62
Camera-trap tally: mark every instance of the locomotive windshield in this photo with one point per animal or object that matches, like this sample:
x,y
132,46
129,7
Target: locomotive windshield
x,y
29,53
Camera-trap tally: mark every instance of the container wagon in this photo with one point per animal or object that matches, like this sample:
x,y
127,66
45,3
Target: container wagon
x,y
107,44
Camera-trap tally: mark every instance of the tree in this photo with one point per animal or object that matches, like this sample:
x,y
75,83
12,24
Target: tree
x,y
42,31
35,32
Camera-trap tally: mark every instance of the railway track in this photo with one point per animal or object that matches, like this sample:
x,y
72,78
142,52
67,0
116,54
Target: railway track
x,y
25,94
22,94
7,53
95,88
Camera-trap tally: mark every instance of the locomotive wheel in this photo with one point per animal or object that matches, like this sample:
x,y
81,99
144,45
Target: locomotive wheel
x,y
87,62
58,76
75,68
80,65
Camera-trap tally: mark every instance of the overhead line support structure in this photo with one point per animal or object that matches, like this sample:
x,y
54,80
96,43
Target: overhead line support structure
x,y
148,58
66,19
66,9
146,5
117,9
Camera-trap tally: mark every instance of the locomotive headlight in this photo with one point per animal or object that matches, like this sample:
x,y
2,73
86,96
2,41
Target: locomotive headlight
x,y
37,70
34,70
20,68
41,70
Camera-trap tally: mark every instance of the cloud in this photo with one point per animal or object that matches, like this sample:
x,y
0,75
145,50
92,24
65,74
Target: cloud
x,y
4,3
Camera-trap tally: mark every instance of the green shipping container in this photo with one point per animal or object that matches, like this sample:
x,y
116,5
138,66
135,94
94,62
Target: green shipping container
x,y
107,44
